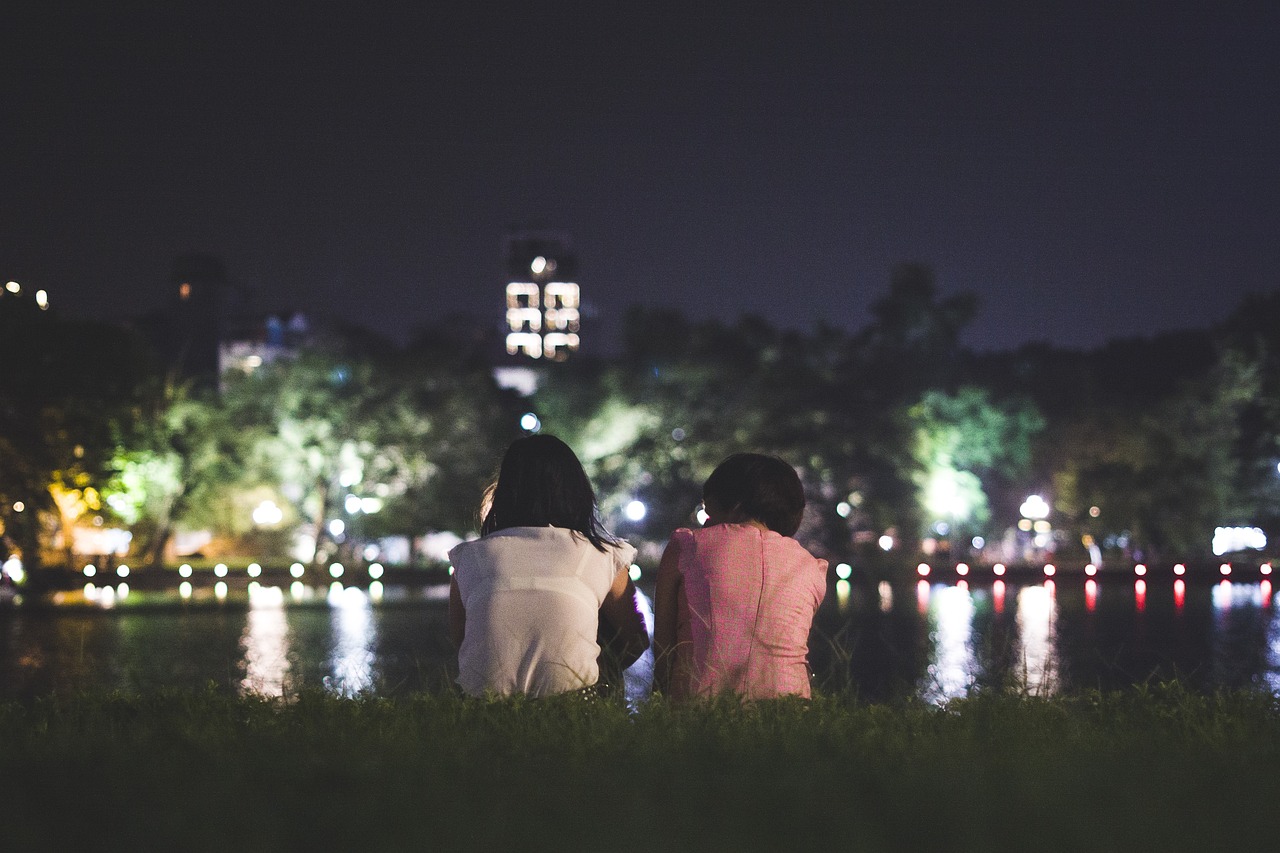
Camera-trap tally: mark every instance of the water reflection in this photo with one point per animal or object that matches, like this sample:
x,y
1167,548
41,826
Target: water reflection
x,y
953,670
843,593
354,636
1041,638
265,643
885,590
1037,619
1272,674
1242,644
637,680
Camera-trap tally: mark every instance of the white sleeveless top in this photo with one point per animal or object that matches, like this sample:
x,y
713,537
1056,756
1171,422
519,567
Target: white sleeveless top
x,y
532,597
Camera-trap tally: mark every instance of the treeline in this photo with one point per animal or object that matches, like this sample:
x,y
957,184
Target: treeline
x,y
905,439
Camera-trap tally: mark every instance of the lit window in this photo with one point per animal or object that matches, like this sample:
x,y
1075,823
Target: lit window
x,y
530,343
561,294
562,319
557,345
522,294
524,319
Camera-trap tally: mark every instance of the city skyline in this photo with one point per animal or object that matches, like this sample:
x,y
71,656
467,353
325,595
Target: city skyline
x,y
1090,173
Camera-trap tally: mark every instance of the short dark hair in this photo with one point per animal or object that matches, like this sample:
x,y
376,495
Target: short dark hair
x,y
541,483
760,487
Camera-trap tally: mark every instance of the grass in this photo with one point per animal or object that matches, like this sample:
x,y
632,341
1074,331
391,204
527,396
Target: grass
x,y
1149,768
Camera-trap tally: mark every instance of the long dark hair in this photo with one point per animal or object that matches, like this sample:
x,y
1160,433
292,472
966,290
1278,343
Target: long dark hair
x,y
541,483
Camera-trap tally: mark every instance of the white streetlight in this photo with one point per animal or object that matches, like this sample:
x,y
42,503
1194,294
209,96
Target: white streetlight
x,y
267,514
1034,507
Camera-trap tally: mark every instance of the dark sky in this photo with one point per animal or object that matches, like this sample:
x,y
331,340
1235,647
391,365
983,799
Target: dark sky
x,y
1091,170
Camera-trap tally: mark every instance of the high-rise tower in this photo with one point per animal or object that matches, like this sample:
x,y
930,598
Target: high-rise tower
x,y
543,301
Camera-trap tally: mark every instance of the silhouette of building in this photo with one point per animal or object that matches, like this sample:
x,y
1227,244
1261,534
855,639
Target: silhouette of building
x,y
207,325
188,329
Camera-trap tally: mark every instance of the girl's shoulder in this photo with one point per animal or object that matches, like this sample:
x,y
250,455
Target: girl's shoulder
x,y
539,540
729,538
623,553
724,533
506,539
684,536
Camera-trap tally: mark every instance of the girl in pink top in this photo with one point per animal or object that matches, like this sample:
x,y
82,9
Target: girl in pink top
x,y
736,599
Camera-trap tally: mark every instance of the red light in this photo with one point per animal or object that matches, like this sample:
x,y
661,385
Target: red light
x,y
1179,570
1265,591
962,569
923,570
1140,594
1225,569
1091,570
1050,570
1091,595
1265,569
1140,570
998,569
1179,593
997,595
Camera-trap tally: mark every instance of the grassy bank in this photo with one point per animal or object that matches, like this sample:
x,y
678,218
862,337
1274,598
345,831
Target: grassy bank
x,y
1155,768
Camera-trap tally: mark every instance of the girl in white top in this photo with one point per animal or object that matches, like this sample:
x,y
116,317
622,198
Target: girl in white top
x,y
529,599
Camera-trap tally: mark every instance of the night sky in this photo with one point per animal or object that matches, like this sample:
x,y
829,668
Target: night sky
x,y
1091,170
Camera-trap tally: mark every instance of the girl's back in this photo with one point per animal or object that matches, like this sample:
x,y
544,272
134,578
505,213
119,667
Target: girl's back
x,y
532,597
751,595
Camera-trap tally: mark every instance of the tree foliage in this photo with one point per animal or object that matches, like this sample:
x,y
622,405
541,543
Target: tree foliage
x,y
1143,444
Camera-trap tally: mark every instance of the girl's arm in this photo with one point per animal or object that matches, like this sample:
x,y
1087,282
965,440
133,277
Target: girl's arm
x,y
627,637
457,613
666,600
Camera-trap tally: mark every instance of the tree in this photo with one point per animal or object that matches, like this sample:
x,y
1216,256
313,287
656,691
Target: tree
x,y
310,419
440,433
1163,477
59,384
913,341
964,444
176,453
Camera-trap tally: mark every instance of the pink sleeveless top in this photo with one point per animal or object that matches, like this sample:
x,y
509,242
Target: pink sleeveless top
x,y
751,595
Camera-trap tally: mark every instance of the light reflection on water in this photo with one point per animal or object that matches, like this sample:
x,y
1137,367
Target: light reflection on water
x,y
953,670
265,643
941,643
1272,676
638,678
354,637
1037,619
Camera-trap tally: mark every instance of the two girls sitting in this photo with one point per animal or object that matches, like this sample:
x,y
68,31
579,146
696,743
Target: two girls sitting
x,y
531,598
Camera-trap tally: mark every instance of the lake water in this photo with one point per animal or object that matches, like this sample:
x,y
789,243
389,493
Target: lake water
x,y
884,642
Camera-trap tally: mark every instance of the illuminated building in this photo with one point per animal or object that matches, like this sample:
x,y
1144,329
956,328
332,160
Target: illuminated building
x,y
543,301
207,326
261,340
